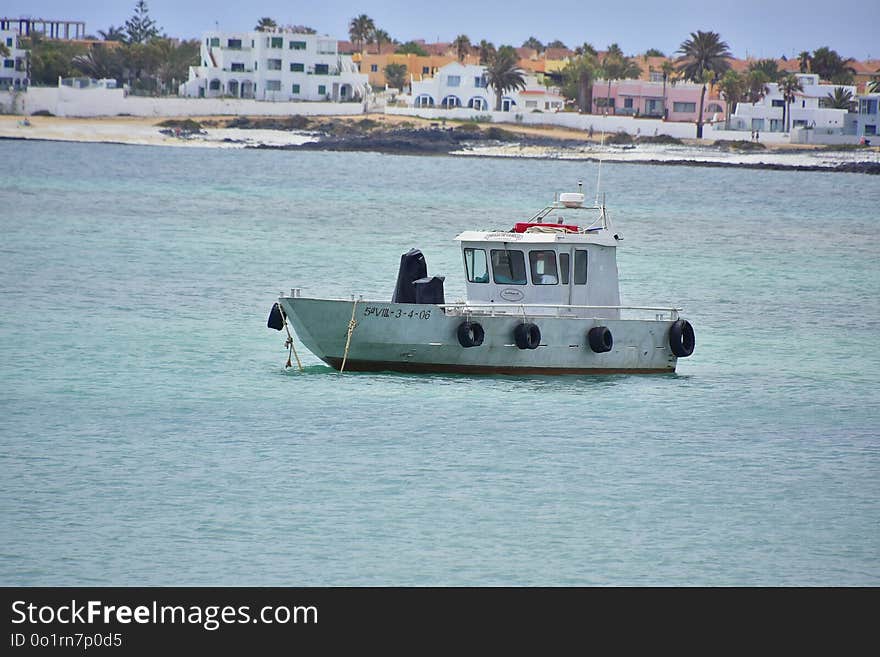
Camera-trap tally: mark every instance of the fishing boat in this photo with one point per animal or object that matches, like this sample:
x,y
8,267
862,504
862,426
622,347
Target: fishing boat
x,y
542,297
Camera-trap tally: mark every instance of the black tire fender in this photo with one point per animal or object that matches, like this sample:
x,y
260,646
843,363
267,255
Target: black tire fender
x,y
470,334
527,335
600,339
681,338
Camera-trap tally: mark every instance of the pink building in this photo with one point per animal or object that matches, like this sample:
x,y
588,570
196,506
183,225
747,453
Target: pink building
x,y
641,98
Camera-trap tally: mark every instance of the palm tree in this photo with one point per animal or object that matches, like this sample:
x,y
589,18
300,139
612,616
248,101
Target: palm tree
x,y
487,52
585,49
756,85
840,99
667,68
768,66
360,29
379,37
113,34
266,24
831,66
805,61
462,46
578,76
874,85
704,57
395,75
616,66
503,74
4,51
101,62
533,43
788,87
732,88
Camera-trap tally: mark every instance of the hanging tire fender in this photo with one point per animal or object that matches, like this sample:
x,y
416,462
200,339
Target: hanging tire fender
x,y
470,334
600,339
681,338
527,335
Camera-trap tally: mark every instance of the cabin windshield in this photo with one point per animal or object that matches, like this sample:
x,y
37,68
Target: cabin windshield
x,y
475,266
508,267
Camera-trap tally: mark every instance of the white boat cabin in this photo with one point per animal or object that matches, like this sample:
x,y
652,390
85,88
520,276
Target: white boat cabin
x,y
565,255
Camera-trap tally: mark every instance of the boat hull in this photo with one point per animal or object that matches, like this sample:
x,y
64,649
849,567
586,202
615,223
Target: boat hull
x,y
423,338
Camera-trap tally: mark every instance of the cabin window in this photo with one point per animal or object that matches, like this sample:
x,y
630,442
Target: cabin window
x,y
580,267
563,268
509,267
543,267
476,266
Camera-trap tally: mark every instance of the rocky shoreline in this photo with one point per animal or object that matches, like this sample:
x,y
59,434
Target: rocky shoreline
x,y
406,135
453,142
470,139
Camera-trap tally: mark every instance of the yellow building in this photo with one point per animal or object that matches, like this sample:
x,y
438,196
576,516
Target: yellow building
x,y
417,67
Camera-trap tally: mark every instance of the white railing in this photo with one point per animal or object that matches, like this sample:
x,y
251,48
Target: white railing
x,y
559,310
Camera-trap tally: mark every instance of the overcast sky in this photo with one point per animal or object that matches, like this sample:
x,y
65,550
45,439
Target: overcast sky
x,y
756,28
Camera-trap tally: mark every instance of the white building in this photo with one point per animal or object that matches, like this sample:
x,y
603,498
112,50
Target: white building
x,y
865,122
280,66
464,85
806,109
14,68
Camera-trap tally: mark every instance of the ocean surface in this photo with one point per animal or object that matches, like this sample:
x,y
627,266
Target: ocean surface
x,y
150,434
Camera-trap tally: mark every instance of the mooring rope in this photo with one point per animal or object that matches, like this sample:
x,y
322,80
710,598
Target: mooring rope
x,y
289,342
351,327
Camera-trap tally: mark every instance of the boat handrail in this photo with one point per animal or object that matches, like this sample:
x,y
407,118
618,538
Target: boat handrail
x,y
555,305
601,222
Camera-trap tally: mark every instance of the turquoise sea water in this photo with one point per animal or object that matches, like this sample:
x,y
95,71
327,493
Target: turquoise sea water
x,y
150,434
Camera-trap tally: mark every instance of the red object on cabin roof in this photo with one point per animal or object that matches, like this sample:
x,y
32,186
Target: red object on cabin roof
x,y
522,226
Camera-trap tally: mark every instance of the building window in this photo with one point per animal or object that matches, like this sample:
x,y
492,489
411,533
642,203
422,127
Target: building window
x,y
580,267
778,103
273,64
322,69
295,89
374,68
628,103
322,90
273,85
235,44
297,68
475,266
277,42
8,63
480,81
453,80
870,129
684,107
426,70
297,45
509,267
532,103
543,267
237,66
214,85
757,124
214,42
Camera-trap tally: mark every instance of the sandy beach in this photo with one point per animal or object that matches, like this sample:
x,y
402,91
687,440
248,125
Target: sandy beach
x,y
371,132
